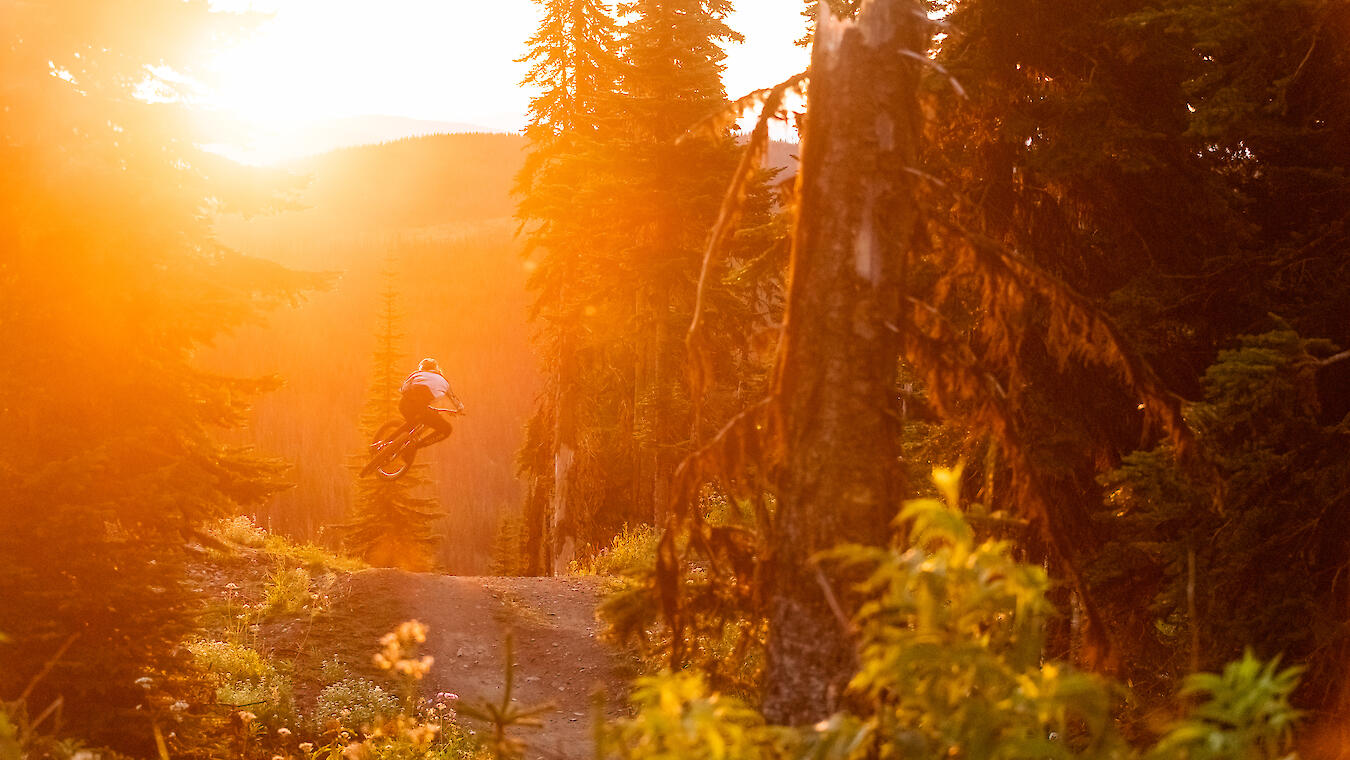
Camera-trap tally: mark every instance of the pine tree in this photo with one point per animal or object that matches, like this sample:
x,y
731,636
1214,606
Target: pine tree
x,y
672,181
563,205
508,547
110,282
391,525
1166,162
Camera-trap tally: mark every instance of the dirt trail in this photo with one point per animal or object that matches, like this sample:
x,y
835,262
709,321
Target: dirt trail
x,y
559,658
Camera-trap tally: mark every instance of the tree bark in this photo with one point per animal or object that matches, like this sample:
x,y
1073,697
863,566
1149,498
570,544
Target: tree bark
x,y
563,522
836,372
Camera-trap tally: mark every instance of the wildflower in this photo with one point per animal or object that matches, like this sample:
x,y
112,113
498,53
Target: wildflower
x,y
145,682
306,747
246,717
422,735
413,631
283,732
179,706
232,586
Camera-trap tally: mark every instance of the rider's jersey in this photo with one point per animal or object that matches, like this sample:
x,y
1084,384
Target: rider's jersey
x,y
432,381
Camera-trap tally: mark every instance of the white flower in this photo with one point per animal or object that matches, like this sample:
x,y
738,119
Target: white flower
x,y
179,706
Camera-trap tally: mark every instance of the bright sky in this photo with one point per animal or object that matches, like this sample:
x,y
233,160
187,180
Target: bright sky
x,y
440,60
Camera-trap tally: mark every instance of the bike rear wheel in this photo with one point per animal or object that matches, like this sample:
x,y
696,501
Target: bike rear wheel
x,y
392,451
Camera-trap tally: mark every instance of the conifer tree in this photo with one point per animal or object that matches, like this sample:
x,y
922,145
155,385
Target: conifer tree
x,y
563,199
391,525
672,184
1189,194
508,547
110,281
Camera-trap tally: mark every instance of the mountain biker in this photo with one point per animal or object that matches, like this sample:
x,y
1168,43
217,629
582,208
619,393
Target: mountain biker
x,y
421,390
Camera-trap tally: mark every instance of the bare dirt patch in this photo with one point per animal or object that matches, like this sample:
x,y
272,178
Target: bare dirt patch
x,y
559,659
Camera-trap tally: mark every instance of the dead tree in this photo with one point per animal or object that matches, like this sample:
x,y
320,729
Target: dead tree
x,y
836,371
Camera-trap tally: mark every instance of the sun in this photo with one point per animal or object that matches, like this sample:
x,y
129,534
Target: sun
x,y
316,61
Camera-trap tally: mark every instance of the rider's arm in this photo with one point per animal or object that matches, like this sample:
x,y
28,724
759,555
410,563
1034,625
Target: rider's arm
x,y
450,394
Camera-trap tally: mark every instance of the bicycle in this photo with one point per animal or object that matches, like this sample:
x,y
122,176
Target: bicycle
x,y
395,446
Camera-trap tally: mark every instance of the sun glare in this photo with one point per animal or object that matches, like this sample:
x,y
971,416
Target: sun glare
x,y
312,62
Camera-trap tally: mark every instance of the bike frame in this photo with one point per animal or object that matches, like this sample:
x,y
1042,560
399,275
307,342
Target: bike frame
x,y
396,445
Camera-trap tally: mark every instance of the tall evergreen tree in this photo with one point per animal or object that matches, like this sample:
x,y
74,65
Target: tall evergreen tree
x,y
621,248
1183,165
574,61
391,525
672,185
110,281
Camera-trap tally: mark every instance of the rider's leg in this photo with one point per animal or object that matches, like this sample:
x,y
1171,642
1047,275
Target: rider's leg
x,y
438,427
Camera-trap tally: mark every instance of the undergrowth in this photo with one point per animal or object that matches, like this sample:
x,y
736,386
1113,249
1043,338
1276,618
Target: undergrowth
x,y
950,639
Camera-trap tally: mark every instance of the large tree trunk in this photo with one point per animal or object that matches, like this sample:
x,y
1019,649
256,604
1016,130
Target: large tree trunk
x,y
836,373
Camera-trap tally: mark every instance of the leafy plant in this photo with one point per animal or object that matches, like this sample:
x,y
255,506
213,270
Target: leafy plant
x,y
1245,714
950,636
634,547
356,704
675,716
247,681
951,645
310,556
287,591
390,728
239,530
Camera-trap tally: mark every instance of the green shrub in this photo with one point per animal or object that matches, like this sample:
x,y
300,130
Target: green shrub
x,y
247,680
239,530
332,671
634,547
271,700
311,556
951,665
287,591
950,655
233,661
674,716
1245,713
355,704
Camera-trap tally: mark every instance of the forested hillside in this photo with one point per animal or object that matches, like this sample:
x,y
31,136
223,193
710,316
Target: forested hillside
x,y
436,213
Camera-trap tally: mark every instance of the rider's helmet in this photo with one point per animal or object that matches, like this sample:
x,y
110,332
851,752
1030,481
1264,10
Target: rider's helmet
x,y
428,365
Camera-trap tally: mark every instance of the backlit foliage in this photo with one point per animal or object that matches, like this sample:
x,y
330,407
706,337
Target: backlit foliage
x,y
1235,563
950,636
110,283
392,522
616,201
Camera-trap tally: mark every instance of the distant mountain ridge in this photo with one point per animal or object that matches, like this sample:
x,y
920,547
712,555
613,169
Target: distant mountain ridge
x,y
253,144
414,183
362,130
